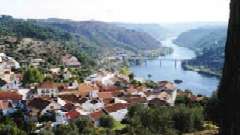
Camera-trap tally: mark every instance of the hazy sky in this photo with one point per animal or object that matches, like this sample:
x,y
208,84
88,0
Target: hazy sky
x,y
120,10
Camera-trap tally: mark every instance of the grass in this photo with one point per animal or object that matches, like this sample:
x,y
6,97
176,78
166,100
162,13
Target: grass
x,y
118,125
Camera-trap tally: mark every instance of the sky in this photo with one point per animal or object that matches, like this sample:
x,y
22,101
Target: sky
x,y
135,11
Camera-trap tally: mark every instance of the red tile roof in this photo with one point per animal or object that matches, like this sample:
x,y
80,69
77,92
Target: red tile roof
x,y
72,98
96,115
8,95
135,100
108,88
167,85
48,85
116,107
38,103
105,95
71,115
84,89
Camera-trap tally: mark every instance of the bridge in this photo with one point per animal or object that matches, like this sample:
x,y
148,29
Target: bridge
x,y
139,60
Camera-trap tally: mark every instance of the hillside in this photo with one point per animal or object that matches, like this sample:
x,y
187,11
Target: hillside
x,y
203,38
101,34
209,44
29,40
155,30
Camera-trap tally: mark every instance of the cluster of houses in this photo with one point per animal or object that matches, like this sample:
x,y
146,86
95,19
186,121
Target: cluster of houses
x,y
61,103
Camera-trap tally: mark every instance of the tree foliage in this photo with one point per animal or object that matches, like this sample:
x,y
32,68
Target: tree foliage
x,y
106,121
32,75
164,120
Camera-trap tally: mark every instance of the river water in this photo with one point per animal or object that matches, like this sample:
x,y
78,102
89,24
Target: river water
x,y
171,70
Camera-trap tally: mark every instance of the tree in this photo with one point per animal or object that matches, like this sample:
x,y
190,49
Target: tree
x,y
106,121
212,109
131,76
229,89
8,127
69,129
84,125
32,75
2,82
124,71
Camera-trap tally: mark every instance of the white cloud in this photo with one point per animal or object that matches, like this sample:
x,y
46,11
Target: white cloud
x,y
120,10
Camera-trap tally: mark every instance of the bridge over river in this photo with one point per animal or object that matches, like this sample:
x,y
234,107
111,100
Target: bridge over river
x,y
141,60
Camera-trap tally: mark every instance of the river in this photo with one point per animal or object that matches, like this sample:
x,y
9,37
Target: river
x,y
170,71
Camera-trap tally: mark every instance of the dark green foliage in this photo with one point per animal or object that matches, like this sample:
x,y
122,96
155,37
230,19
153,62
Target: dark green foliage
x,y
10,130
136,83
84,125
188,119
69,129
213,109
182,100
32,75
2,82
101,34
21,28
8,127
164,120
49,116
131,76
151,84
106,121
209,44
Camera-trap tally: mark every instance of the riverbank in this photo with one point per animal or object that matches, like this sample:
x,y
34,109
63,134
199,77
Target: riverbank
x,y
173,70
201,70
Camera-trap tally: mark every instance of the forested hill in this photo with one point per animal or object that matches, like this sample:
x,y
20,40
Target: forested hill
x,y
103,34
209,44
203,38
155,30
21,28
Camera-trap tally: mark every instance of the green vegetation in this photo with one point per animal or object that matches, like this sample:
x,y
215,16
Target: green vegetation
x,y
106,121
164,120
22,28
209,44
32,75
124,71
100,34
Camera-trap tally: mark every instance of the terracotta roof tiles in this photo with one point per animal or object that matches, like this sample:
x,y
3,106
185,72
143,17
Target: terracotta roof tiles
x,y
8,95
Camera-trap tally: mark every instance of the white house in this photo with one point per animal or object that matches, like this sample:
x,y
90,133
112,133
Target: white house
x,y
47,89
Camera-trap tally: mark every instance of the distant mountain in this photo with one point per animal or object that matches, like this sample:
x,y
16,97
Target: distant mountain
x,y
209,44
106,35
176,29
203,38
155,30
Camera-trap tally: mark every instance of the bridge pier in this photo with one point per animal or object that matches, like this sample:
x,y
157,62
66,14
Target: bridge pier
x,y
175,63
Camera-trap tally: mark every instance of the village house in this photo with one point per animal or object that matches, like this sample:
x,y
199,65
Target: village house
x,y
118,111
72,115
88,90
92,105
47,88
70,61
102,77
37,62
36,106
6,107
95,117
9,101
166,91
